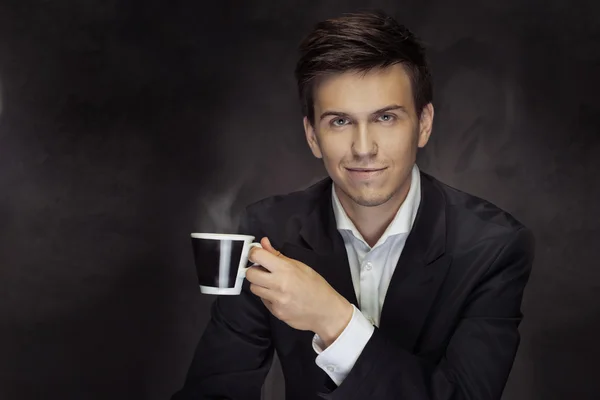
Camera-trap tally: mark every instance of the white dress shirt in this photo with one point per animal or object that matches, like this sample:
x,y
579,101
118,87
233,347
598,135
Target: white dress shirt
x,y
371,269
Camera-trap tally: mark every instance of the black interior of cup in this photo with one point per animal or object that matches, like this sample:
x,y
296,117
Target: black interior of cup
x,y
212,255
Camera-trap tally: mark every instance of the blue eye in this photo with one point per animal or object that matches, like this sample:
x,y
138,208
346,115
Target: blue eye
x,y
386,118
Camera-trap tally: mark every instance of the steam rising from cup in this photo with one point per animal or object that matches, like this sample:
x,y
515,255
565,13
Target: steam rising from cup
x,y
218,211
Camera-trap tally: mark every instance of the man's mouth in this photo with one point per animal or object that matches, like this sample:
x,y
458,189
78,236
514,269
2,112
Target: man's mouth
x,y
364,174
365,169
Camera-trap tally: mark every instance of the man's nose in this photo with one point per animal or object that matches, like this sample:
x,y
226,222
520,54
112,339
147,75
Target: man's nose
x,y
363,143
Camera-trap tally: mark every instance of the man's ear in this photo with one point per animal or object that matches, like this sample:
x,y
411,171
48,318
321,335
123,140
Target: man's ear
x,y
311,138
425,125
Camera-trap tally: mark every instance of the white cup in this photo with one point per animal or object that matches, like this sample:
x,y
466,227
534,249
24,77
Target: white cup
x,y
221,261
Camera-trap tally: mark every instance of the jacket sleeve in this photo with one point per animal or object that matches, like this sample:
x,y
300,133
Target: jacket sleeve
x,y
479,355
235,352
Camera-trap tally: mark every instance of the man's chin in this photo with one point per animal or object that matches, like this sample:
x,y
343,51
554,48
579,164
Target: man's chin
x,y
370,199
370,202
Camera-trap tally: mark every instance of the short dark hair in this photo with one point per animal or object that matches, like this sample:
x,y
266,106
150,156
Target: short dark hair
x,y
361,42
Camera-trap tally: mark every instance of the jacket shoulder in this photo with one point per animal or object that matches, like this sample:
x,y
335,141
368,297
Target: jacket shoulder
x,y
471,218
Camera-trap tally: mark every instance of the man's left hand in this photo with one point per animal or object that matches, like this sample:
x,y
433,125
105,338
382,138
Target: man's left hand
x,y
296,294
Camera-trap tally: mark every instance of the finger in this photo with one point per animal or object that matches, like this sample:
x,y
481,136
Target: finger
x,y
268,260
259,276
262,292
266,244
259,267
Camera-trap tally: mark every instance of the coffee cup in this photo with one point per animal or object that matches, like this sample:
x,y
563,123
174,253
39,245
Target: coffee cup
x,y
221,261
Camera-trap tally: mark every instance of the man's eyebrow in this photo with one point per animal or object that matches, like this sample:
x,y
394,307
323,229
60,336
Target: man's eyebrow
x,y
391,107
334,113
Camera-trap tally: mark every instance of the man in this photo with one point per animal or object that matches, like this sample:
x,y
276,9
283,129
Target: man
x,y
379,282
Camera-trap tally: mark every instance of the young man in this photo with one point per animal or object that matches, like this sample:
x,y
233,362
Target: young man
x,y
379,282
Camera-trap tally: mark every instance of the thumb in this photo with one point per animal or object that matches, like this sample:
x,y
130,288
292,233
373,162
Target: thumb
x,y
266,244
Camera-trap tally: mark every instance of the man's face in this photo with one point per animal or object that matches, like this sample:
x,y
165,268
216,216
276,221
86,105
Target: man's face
x,y
367,132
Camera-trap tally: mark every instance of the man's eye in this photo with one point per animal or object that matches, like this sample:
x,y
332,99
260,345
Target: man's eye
x,y
339,122
386,118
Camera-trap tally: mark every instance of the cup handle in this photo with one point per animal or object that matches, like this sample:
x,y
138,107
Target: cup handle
x,y
242,271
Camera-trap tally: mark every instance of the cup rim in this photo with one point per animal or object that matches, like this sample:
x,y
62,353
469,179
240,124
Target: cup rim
x,y
220,236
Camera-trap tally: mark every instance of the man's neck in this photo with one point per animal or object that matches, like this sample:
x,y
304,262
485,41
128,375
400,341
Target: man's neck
x,y
372,222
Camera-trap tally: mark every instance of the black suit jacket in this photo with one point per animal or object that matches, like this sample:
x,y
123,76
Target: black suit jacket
x,y
448,328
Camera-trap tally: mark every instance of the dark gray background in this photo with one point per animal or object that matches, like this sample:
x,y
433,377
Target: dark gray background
x,y
120,119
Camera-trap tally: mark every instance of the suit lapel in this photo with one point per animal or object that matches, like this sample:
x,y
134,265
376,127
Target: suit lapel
x,y
323,248
420,271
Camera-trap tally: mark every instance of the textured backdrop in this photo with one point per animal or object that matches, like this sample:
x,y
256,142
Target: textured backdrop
x,y
126,125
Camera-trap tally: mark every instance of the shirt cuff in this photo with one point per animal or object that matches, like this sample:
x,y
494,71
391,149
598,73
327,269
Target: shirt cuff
x,y
339,358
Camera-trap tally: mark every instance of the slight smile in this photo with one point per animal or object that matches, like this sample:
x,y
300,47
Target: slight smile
x,y
362,174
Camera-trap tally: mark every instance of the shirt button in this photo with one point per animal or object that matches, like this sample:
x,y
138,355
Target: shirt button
x,y
330,368
368,266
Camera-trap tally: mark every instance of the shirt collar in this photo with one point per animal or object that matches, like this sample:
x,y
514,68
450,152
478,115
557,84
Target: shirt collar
x,y
403,220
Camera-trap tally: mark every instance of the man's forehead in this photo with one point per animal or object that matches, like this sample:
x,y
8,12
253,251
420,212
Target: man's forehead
x,y
364,92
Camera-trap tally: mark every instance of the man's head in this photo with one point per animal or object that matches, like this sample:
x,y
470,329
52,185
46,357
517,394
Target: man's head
x,y
366,96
